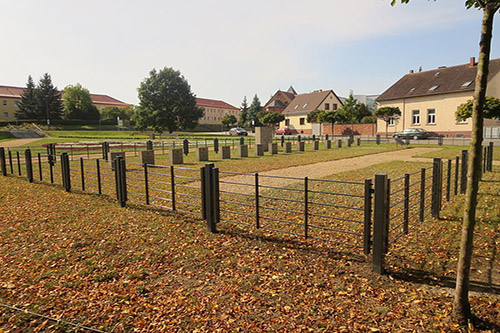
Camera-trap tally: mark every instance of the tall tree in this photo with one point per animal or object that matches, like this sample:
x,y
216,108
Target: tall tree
x,y
253,110
49,105
461,304
111,113
363,111
387,114
28,104
351,109
78,103
228,120
166,102
244,113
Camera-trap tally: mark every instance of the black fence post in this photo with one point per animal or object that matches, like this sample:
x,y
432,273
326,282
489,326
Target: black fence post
x,y
448,181
105,150
65,171
406,218
40,171
257,210
3,162
82,173
146,183
209,192
490,157
120,181
436,187
457,166
172,185
185,146
377,140
463,176
242,141
380,222
29,165
422,195
367,225
18,163
216,145
306,207
98,170
10,162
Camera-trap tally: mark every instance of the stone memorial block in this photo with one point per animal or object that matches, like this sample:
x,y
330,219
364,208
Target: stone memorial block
x,y
147,157
288,147
301,146
259,150
264,136
273,148
202,154
242,151
328,144
358,141
315,145
378,139
176,156
339,143
149,145
114,156
225,152
349,142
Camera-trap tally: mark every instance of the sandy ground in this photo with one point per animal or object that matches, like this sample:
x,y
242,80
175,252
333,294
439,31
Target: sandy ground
x,y
17,142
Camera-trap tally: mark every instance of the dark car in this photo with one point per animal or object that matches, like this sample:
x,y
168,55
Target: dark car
x,y
416,134
283,131
237,131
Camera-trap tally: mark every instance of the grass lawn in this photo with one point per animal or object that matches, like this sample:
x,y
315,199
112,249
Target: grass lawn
x,y
83,259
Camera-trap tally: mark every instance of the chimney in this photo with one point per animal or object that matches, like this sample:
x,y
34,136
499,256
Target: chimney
x,y
411,71
472,61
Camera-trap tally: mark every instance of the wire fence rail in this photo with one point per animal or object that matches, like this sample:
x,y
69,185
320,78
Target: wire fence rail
x,y
369,215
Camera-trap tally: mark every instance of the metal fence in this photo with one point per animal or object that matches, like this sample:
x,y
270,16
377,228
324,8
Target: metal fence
x,y
366,215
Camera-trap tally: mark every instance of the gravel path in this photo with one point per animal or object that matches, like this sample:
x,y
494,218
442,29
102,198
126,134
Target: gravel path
x,y
17,142
322,169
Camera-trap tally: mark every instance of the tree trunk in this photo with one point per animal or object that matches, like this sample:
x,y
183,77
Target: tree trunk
x,y
461,306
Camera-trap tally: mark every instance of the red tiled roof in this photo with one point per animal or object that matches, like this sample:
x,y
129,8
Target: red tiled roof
x,y
211,103
16,92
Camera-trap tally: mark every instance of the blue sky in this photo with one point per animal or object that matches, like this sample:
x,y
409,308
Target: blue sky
x,y
230,49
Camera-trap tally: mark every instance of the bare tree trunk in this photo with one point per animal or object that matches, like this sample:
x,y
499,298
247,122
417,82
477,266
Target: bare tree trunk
x,y
461,306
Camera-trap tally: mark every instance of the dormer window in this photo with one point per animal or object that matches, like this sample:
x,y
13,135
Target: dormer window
x,y
305,105
296,107
412,89
466,84
433,88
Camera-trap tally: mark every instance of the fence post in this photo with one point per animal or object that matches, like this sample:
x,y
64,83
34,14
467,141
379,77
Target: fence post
x,y
367,241
457,166
216,145
463,176
448,181
406,204
436,186
120,181
18,163
82,172
29,165
490,157
422,195
10,162
185,146
306,207
146,183
2,161
65,171
40,166
380,222
172,185
257,210
208,193
98,169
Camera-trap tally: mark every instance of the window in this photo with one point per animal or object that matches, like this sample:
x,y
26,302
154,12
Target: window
x,y
334,106
415,117
391,121
16,103
296,106
4,102
305,105
431,116
466,84
327,106
302,121
6,115
287,122
433,88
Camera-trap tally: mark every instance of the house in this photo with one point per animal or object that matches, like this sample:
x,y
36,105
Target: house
x,y
11,96
280,100
297,110
215,110
430,99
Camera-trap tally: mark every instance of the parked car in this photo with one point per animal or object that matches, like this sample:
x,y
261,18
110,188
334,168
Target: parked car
x,y
237,131
416,134
283,131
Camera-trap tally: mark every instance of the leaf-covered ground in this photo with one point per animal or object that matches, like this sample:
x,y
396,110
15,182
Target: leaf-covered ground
x,y
83,259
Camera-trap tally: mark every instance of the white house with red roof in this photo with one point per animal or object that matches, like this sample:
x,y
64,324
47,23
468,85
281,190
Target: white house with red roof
x,y
215,110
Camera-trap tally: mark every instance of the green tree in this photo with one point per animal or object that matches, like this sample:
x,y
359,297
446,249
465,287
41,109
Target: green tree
x,y
48,97
312,117
387,114
363,111
269,118
461,305
253,111
332,117
369,120
351,109
28,104
111,113
229,120
166,102
491,109
78,103
243,122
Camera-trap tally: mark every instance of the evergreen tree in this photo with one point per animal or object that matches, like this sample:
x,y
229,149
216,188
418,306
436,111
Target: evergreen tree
x,y
253,110
350,109
244,113
28,104
49,105
363,111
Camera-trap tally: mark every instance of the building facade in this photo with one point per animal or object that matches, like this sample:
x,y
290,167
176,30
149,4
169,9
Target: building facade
x,y
215,110
11,96
296,112
430,99
280,100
